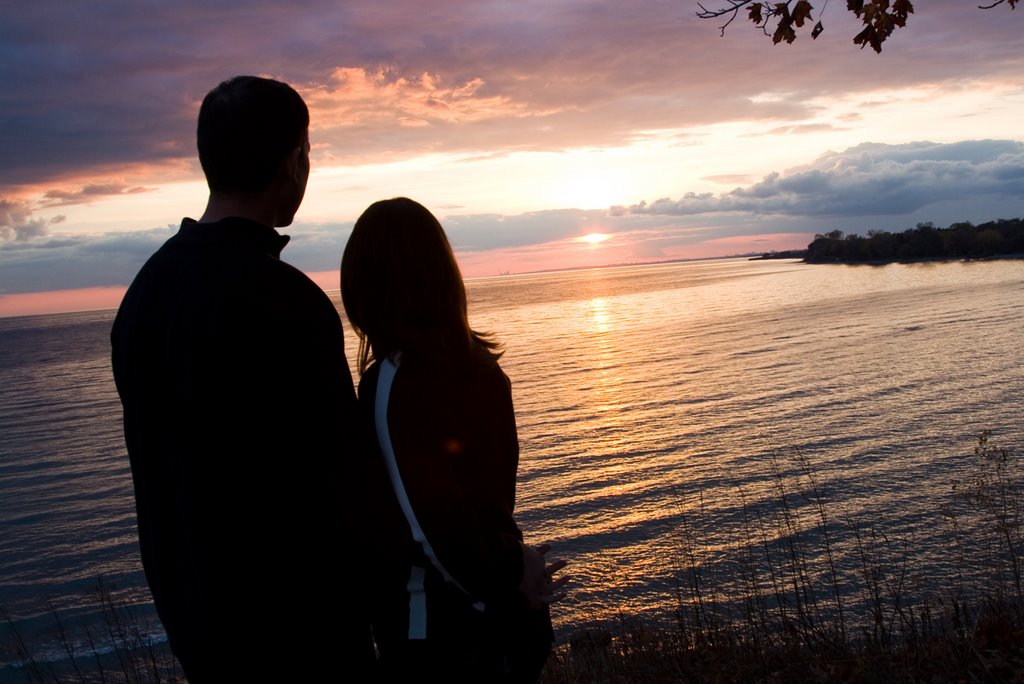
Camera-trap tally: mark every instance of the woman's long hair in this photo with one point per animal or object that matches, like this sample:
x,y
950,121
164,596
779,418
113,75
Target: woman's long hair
x,y
402,288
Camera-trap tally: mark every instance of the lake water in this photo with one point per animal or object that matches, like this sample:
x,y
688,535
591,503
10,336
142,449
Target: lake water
x,y
648,397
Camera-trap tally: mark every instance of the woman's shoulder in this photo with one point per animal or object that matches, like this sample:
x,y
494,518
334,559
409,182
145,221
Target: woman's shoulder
x,y
465,382
490,372
475,367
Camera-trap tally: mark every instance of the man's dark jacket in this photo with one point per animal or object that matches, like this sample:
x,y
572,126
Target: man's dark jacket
x,y
236,392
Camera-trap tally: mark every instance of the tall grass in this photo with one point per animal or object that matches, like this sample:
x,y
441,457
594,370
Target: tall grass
x,y
806,593
118,649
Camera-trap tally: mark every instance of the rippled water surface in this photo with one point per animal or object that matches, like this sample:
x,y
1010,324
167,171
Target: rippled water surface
x,y
642,391
645,395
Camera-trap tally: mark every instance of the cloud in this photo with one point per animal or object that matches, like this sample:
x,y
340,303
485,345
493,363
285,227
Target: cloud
x,y
798,129
47,261
89,192
480,232
12,213
40,261
17,223
355,96
89,88
729,179
869,179
316,247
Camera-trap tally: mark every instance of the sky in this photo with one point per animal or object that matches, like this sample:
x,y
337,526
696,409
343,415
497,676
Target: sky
x,y
524,126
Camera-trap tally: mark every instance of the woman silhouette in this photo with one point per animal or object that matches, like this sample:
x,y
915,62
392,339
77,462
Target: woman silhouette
x,y
455,591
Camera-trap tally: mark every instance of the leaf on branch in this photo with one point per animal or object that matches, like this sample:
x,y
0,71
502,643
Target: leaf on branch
x,y
902,8
784,32
802,12
884,24
780,19
869,37
754,13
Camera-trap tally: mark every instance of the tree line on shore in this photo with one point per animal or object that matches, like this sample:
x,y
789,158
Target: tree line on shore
x,y
925,241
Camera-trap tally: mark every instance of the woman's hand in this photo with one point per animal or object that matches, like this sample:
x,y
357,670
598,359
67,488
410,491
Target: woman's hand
x,y
539,586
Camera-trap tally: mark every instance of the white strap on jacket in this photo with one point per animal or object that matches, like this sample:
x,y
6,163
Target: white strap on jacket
x,y
417,597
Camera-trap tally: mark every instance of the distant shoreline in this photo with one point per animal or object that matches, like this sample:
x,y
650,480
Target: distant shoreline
x,y
786,254
916,260
1002,238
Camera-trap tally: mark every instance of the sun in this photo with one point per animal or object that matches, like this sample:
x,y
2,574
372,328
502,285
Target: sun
x,y
594,238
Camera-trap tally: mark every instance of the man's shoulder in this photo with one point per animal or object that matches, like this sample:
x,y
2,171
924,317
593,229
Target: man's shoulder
x,y
227,253
211,267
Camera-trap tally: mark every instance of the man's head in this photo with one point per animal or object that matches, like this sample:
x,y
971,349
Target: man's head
x,y
251,130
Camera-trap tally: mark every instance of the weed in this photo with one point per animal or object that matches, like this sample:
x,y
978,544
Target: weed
x,y
812,597
122,649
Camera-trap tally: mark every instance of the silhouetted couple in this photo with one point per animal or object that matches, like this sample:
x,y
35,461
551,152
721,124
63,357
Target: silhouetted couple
x,y
288,531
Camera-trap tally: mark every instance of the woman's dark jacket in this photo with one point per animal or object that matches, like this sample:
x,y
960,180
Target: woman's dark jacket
x,y
454,436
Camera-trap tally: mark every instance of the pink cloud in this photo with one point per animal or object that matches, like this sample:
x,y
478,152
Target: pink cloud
x,y
90,191
356,96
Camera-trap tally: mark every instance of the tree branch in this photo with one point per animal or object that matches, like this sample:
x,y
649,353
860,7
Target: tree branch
x,y
781,20
736,6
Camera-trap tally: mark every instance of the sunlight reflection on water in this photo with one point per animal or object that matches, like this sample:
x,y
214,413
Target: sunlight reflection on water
x,y
641,390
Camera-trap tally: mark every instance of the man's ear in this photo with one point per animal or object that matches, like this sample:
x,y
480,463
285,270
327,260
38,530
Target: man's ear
x,y
292,168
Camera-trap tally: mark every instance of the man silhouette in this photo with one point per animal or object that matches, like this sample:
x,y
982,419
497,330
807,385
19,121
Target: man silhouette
x,y
231,370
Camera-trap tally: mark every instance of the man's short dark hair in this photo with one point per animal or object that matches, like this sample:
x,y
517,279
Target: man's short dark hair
x,y
247,126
